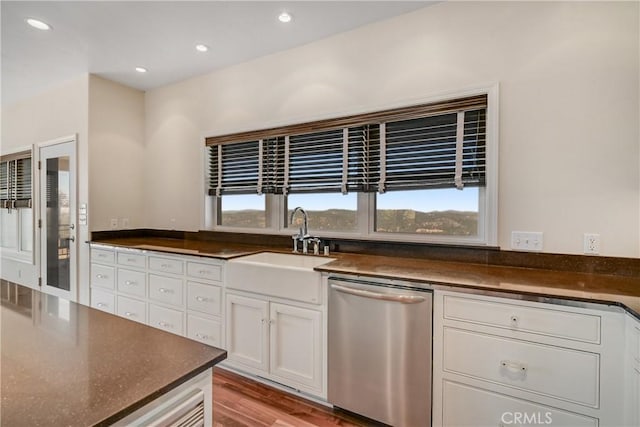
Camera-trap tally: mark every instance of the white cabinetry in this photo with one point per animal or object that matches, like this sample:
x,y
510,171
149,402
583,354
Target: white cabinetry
x,y
277,340
176,293
632,372
513,362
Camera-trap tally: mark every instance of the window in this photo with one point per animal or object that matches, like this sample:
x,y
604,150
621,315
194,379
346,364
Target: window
x,y
243,211
438,212
16,216
332,212
417,174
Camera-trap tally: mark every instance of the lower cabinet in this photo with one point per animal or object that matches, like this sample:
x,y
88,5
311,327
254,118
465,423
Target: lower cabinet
x,y
501,361
279,341
157,289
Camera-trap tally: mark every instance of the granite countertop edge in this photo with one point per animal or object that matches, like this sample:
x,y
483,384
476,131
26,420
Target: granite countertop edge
x,y
159,392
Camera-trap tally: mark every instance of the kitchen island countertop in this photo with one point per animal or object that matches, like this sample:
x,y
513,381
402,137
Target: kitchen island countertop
x,y
65,364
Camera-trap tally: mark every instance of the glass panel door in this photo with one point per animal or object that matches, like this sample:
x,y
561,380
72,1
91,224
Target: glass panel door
x,y
57,201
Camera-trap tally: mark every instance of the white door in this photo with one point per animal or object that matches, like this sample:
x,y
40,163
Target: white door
x,y
58,246
296,345
247,332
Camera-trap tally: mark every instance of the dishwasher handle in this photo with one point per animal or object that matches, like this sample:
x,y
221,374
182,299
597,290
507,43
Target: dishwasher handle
x,y
402,299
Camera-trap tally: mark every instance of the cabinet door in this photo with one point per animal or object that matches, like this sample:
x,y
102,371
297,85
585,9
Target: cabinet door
x,y
295,345
247,331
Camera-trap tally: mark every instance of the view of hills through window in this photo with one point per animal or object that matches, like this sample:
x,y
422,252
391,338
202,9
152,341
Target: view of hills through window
x,y
446,212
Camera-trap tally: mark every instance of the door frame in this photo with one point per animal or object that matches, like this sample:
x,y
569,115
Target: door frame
x,y
72,294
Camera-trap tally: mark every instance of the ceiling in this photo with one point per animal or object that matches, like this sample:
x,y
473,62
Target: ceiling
x,y
110,38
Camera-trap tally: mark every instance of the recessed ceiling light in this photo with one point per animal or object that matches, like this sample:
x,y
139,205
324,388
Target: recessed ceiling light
x,y
202,47
141,69
284,17
36,23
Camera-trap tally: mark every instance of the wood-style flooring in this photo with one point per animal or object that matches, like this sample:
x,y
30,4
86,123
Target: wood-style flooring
x,y
239,402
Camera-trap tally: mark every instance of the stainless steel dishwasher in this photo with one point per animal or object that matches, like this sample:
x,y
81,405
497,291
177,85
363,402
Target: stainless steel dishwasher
x,y
380,350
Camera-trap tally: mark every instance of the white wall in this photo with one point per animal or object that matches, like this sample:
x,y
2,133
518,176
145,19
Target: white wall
x,y
60,112
116,155
569,108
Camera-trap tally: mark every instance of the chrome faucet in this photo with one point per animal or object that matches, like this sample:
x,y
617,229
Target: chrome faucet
x,y
303,234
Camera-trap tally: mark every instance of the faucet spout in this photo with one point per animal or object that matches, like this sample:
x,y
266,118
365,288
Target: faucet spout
x,y
305,219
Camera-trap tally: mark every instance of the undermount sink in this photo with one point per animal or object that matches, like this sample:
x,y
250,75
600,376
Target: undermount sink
x,y
277,274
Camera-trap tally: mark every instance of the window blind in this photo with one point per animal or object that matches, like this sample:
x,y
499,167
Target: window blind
x,y
23,183
439,145
441,151
252,167
327,161
15,181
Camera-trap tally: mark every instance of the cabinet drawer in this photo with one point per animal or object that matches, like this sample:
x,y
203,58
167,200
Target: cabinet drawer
x,y
166,265
132,259
102,255
103,276
204,271
132,282
541,369
165,318
102,300
206,331
165,289
542,321
132,309
204,298
468,406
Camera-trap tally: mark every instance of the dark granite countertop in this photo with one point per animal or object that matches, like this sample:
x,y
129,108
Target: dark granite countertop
x,y
184,246
65,364
623,291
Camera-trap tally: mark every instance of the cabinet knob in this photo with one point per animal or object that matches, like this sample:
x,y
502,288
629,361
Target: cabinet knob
x,y
514,320
100,304
202,299
165,291
128,314
129,282
165,325
101,276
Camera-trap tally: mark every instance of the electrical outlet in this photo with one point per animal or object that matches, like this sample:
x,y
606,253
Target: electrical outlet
x,y
526,241
114,223
591,243
125,223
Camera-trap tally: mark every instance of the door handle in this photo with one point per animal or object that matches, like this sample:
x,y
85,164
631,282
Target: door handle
x,y
402,299
72,226
72,238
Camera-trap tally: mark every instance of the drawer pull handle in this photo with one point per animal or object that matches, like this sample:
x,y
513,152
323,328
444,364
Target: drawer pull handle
x,y
129,314
101,304
165,325
101,276
131,260
165,291
203,337
204,272
130,283
102,255
165,266
514,367
202,299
